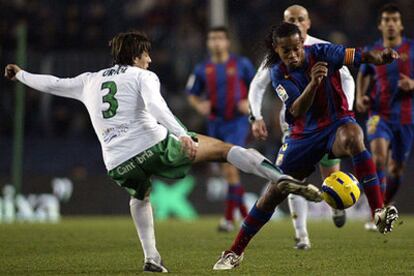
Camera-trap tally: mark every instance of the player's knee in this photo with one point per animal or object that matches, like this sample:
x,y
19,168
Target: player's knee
x,y
353,142
379,160
224,150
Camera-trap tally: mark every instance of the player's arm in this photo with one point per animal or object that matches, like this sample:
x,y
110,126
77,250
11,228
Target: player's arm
x,y
257,90
248,73
302,103
195,87
364,78
201,105
65,87
377,57
157,107
406,83
337,55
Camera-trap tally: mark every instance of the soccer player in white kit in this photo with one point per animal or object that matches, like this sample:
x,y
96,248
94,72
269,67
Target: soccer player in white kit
x,y
140,136
297,15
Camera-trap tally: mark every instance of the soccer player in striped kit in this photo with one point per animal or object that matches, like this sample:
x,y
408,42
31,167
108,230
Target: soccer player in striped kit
x,y
307,80
298,206
390,126
218,90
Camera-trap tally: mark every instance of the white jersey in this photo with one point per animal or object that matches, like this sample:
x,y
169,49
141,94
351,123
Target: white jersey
x,y
125,105
262,79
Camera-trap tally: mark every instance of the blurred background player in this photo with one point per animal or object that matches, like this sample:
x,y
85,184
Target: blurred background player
x,y
389,103
307,80
298,206
218,91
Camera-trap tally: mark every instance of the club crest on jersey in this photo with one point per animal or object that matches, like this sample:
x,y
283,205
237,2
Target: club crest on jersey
x,y
231,71
281,92
403,56
209,70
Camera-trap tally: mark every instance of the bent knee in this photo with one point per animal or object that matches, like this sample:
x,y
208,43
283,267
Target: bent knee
x,y
352,140
379,160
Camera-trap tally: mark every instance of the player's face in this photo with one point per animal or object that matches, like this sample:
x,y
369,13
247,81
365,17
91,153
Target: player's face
x,y
300,18
290,50
218,42
391,25
143,61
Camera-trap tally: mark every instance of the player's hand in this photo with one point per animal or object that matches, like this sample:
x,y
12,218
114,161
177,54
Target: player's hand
x,y
11,70
362,104
388,55
189,146
318,72
405,83
204,108
243,106
259,129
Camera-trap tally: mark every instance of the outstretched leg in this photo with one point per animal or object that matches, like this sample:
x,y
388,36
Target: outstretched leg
x,y
247,160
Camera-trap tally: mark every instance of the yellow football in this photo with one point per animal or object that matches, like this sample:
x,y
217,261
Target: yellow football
x,y
341,190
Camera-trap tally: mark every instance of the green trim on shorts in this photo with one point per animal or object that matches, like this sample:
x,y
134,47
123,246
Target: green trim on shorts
x,y
166,159
326,162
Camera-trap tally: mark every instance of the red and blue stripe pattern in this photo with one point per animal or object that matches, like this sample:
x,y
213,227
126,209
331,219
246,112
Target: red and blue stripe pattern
x,y
224,84
388,100
251,225
330,103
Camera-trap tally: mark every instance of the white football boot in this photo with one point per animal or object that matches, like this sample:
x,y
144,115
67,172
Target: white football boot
x,y
290,185
151,265
385,218
302,243
228,260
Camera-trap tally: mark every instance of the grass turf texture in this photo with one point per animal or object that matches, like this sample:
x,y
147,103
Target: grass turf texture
x,y
109,245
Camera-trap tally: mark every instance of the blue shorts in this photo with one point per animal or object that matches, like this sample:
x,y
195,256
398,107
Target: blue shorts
x,y
298,157
234,131
399,136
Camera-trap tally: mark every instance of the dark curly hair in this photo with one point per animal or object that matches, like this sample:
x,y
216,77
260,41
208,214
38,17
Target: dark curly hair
x,y
277,31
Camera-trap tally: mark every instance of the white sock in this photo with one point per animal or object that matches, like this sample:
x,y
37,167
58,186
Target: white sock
x,y
251,161
141,212
298,207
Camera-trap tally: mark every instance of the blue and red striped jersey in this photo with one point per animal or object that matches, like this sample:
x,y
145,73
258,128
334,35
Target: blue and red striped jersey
x,y
330,102
224,84
387,99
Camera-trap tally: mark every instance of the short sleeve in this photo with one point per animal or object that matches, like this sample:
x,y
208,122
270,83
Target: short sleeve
x,y
196,82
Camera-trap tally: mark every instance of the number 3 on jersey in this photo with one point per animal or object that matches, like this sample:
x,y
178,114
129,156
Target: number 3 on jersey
x,y
110,99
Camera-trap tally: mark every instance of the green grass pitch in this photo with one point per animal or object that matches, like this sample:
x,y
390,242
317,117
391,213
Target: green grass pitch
x,y
109,246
